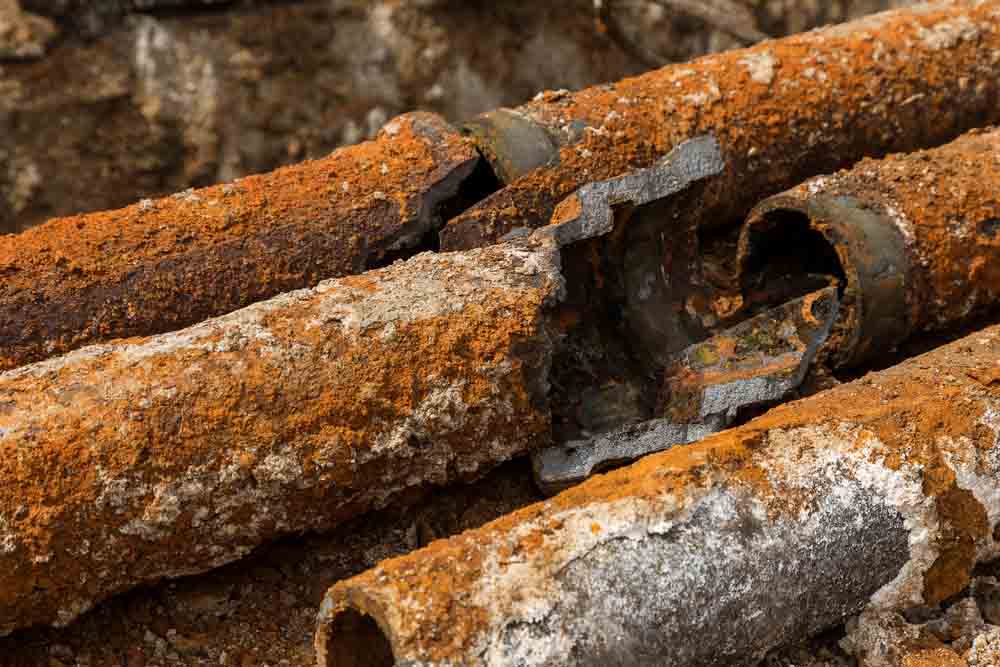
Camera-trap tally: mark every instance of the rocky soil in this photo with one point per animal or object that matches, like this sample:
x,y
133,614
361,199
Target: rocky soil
x,y
962,632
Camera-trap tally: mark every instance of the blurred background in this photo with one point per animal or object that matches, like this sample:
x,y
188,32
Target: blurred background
x,y
104,102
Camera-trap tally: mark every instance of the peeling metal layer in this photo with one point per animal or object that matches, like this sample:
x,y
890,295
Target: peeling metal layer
x,y
782,111
124,463
880,493
161,265
589,212
916,235
753,364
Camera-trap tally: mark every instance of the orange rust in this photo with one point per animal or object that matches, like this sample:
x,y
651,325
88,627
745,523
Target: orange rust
x,y
942,203
782,111
160,265
567,210
965,523
175,453
940,656
912,409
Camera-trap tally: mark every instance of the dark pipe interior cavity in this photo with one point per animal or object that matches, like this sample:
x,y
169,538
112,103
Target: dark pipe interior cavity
x,y
480,184
597,383
355,640
787,258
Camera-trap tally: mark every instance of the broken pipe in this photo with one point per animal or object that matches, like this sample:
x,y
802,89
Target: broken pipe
x,y
782,111
162,265
880,493
911,241
914,238
128,462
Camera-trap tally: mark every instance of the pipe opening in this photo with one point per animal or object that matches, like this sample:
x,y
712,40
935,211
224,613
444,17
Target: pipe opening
x,y
786,257
355,640
480,184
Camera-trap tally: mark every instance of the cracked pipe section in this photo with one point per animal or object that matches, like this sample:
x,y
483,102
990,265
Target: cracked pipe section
x,y
161,265
916,237
129,462
124,463
881,493
782,111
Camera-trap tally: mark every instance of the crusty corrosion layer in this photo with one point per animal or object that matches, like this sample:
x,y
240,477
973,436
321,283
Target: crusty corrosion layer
x,y
161,265
124,463
783,110
917,236
883,492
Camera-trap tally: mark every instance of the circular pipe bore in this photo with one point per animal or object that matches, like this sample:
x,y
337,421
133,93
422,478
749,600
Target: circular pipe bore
x,y
846,239
353,639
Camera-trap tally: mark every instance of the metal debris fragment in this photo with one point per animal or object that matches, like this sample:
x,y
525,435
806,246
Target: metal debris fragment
x,y
884,492
589,212
753,364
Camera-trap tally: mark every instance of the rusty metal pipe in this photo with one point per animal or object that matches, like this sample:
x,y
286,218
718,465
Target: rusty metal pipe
x,y
161,265
916,237
881,493
129,462
783,111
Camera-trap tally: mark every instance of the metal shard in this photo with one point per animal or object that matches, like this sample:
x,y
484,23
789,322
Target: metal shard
x,y
589,212
754,363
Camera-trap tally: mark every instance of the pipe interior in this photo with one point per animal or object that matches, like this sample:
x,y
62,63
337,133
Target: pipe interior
x,y
787,257
355,640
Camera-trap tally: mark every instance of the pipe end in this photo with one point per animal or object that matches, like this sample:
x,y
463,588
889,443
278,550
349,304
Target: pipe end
x,y
348,637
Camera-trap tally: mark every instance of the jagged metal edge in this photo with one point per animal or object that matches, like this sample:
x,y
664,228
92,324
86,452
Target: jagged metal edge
x,y
689,162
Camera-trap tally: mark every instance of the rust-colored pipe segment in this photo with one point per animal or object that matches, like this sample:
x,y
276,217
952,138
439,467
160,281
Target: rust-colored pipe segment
x,y
783,111
917,237
881,492
125,463
161,265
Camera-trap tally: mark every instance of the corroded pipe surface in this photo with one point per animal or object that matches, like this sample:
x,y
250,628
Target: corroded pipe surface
x,y
129,462
783,111
917,237
161,265
881,492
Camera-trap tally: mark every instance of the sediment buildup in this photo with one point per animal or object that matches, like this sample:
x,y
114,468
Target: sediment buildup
x,y
783,111
881,493
161,265
915,238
